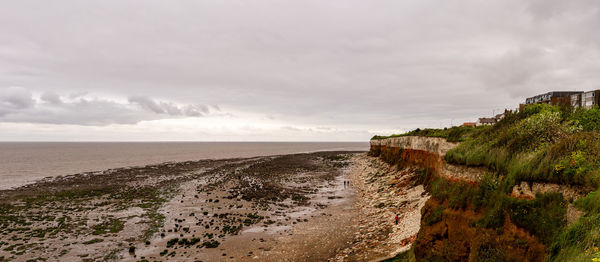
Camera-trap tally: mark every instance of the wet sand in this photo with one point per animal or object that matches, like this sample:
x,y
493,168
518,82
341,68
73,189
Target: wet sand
x,y
277,208
281,208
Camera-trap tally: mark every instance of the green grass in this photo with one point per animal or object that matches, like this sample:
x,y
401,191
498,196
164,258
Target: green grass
x,y
453,134
540,143
111,226
581,240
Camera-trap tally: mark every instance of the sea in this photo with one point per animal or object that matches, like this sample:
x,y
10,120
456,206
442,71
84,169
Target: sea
x,y
25,162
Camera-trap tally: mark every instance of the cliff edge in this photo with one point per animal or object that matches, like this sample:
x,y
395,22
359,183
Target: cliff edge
x,y
523,189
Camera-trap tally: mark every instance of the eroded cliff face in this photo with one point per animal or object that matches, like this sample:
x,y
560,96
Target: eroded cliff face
x,y
451,234
425,152
448,234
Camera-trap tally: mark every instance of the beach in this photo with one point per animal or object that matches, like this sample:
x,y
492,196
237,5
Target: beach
x,y
300,207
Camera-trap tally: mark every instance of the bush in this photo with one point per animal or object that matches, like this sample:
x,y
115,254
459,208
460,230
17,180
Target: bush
x,y
172,242
536,144
543,216
435,216
589,120
458,194
211,244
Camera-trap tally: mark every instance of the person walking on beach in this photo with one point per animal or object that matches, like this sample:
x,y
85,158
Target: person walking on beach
x,y
397,218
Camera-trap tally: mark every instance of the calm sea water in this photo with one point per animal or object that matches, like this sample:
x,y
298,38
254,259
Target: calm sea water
x,y
22,163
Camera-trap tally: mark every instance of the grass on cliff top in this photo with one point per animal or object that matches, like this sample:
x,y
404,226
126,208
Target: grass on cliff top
x,y
453,134
541,143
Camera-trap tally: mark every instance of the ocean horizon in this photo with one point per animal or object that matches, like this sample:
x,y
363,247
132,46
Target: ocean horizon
x,y
27,162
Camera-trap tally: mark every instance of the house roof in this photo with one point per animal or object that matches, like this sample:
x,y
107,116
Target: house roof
x,y
486,120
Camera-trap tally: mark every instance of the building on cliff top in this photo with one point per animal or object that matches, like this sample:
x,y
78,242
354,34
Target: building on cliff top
x,y
590,99
553,98
586,100
576,100
473,124
486,121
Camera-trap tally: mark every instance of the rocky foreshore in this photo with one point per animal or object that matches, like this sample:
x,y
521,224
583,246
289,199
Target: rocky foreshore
x,y
210,210
384,191
337,206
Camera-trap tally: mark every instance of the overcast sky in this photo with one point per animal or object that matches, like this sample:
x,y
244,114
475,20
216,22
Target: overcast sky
x,y
300,70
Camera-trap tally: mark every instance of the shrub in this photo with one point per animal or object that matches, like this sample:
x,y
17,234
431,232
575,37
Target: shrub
x,y
536,144
589,120
543,216
172,242
435,216
458,194
211,244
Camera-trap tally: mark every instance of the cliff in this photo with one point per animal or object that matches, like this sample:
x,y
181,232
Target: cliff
x,y
449,231
425,152
524,189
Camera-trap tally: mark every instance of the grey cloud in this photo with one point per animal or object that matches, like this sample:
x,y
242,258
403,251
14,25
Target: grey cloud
x,y
371,65
169,108
191,110
78,94
51,97
549,9
514,70
13,99
18,105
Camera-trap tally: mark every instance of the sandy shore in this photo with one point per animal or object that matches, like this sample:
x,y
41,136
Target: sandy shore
x,y
282,208
383,191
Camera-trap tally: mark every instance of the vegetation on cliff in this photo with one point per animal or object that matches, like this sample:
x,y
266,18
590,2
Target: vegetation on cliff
x,y
545,144
453,134
541,144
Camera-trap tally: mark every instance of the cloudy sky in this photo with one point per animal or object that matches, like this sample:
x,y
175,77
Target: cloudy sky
x,y
272,70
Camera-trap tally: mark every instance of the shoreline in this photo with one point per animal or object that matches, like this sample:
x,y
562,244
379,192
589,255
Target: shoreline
x,y
384,191
295,207
26,163
196,209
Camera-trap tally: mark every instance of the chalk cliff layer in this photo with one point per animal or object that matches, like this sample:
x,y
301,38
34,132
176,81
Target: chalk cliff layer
x,y
450,233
